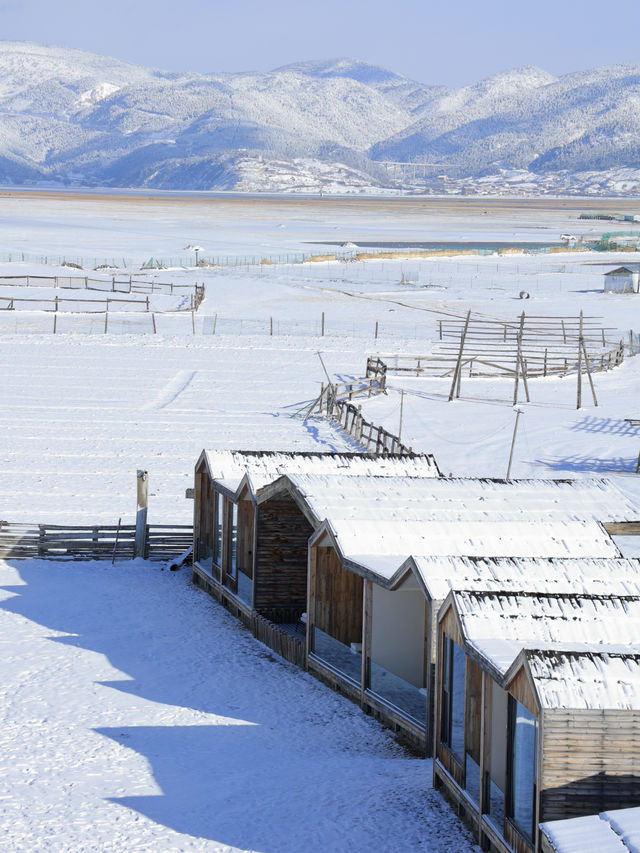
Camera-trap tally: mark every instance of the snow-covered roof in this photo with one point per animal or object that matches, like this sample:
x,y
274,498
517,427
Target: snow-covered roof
x,y
620,271
383,546
377,523
583,676
229,467
607,576
616,831
444,500
498,624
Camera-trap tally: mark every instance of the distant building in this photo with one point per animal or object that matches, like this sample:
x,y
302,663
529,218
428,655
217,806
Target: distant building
x,y
621,280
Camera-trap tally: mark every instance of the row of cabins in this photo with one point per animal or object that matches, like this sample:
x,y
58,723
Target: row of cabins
x,y
449,608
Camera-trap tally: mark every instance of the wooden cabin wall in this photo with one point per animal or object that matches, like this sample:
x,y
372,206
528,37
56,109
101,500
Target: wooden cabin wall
x,y
246,512
590,762
520,688
204,509
447,624
282,542
338,598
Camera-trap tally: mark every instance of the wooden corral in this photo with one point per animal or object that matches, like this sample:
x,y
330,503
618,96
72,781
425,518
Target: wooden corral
x,y
531,346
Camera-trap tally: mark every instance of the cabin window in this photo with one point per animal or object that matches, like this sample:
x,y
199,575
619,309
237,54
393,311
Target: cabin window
x,y
218,507
232,567
499,716
453,683
473,723
523,745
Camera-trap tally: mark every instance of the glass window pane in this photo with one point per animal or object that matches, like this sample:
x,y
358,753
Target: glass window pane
x,y
457,700
233,540
217,528
453,693
523,767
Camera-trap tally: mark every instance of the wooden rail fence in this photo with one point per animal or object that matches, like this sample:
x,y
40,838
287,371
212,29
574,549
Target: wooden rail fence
x,y
91,542
115,285
334,401
97,306
531,346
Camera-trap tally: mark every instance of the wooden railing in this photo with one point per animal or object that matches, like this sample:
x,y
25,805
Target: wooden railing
x,y
272,635
91,542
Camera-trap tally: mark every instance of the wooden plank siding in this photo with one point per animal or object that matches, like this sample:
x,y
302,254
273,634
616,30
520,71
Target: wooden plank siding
x,y
246,510
203,515
338,598
590,762
280,583
521,689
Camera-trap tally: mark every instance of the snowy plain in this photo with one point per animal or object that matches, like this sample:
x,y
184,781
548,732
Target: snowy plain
x,y
137,714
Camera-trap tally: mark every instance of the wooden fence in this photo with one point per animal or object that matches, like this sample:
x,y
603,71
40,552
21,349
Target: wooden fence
x,y
371,436
284,644
531,346
334,401
91,542
114,285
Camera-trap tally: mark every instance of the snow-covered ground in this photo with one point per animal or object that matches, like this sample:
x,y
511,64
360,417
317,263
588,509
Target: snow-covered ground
x,y
118,682
138,715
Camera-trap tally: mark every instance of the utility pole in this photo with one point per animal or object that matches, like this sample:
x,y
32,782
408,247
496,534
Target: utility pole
x,y
518,412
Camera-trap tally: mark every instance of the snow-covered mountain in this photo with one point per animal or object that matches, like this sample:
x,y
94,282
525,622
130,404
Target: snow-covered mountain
x,y
74,118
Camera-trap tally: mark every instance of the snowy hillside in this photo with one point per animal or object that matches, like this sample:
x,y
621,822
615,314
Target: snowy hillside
x,y
70,117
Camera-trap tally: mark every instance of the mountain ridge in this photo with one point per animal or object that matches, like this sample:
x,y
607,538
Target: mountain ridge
x,y
70,117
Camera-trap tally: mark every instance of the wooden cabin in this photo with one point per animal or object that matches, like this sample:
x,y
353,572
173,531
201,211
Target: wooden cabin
x,y
371,611
517,676
615,831
254,559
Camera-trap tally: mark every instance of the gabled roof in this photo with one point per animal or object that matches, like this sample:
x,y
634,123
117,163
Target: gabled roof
x,y
496,625
582,676
620,270
596,575
228,467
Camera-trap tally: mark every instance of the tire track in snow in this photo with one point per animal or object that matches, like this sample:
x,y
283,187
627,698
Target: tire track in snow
x,y
172,390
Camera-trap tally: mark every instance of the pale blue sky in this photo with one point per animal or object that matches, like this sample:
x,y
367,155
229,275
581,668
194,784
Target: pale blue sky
x,y
448,43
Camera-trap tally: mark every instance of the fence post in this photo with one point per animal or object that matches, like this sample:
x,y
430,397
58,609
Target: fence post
x,y
142,495
153,320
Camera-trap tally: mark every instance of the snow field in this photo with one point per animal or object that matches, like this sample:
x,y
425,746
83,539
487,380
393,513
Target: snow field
x,y
139,715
